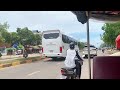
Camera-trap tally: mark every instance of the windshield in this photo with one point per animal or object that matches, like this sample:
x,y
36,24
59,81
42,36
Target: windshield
x,y
51,36
91,48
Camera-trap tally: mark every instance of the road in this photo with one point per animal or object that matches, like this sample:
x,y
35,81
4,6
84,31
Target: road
x,y
44,69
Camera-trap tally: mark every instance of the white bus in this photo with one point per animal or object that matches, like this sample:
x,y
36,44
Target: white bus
x,y
55,43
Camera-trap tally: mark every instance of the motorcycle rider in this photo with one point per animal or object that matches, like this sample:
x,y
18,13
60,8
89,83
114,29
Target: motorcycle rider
x,y
103,50
25,54
70,61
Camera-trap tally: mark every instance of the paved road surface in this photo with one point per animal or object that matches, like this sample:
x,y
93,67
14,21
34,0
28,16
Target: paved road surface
x,y
45,69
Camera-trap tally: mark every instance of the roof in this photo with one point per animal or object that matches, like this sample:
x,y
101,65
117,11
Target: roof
x,y
50,31
106,16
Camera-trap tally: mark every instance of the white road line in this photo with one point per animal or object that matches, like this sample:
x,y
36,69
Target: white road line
x,y
33,73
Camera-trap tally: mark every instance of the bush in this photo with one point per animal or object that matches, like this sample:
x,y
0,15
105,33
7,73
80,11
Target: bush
x,y
10,51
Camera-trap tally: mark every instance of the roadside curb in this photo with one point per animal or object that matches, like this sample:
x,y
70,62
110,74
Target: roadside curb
x,y
19,62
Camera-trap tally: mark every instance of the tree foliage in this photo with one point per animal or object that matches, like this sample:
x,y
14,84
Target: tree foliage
x,y
23,36
81,45
111,31
4,35
27,37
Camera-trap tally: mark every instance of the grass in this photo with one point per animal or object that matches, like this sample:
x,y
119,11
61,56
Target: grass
x,y
21,59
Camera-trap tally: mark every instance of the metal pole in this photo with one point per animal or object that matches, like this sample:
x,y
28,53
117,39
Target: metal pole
x,y
88,44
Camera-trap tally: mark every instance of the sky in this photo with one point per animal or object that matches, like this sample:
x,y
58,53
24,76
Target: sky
x,y
65,21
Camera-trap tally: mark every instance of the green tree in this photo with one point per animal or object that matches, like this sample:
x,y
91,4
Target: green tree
x,y
38,39
14,38
4,34
4,27
27,37
22,36
1,38
7,37
81,45
20,46
111,31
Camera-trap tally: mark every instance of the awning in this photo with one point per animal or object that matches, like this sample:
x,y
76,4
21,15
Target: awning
x,y
35,47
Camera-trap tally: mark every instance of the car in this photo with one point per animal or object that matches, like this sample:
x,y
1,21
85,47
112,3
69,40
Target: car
x,y
93,51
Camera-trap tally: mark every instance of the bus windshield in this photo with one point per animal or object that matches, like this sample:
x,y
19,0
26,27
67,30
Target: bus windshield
x,y
51,36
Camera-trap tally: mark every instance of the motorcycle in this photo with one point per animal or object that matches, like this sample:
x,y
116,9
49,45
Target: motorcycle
x,y
69,73
103,51
25,54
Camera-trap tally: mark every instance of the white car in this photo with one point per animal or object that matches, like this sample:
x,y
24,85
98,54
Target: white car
x,y
93,51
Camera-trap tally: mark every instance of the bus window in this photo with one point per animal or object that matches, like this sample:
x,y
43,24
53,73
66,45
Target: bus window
x,y
67,39
64,39
51,36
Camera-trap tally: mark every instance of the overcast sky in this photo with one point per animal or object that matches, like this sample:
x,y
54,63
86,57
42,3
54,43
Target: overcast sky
x,y
65,21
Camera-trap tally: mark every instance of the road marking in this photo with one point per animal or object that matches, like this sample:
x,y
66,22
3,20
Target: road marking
x,y
33,73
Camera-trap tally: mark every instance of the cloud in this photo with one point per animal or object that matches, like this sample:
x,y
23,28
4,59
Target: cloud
x,y
65,21
82,36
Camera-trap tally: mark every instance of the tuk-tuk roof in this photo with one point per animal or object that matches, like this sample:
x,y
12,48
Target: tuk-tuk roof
x,y
107,16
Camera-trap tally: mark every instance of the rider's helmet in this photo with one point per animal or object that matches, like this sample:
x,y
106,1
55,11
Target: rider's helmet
x,y
72,45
